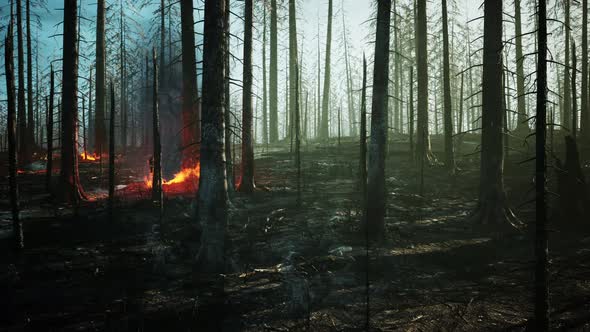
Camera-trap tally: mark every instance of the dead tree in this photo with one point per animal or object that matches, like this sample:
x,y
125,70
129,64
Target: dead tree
x,y
157,194
229,165
50,130
273,94
423,147
363,136
411,115
492,208
324,128
24,153
448,107
212,197
69,176
191,120
99,119
522,127
541,238
17,227
376,192
584,116
30,113
247,165
292,67
574,97
297,137
111,202
264,83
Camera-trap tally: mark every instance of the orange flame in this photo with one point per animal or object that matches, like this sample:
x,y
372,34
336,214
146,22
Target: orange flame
x,y
184,181
89,157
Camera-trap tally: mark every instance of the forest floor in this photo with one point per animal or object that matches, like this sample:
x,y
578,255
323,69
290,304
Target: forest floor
x,y
290,268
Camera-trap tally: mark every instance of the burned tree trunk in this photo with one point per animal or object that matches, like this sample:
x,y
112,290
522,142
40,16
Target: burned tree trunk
x,y
17,227
376,198
325,127
99,126
423,147
522,127
23,146
541,239
448,107
212,198
411,115
30,115
297,137
492,207
157,155
574,97
111,202
229,165
292,67
69,177
567,101
273,95
191,122
584,116
264,83
50,131
247,174
363,136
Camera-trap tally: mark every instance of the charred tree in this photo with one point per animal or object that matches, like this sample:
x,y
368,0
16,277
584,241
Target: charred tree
x,y
69,177
30,113
264,83
566,118
24,153
448,107
273,115
541,238
297,137
111,202
50,130
423,147
229,165
212,197
17,227
247,169
157,194
191,121
584,116
376,198
522,127
574,128
492,208
123,82
99,119
325,126
411,115
363,136
292,67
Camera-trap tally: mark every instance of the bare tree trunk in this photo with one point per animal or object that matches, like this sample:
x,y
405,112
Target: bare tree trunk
x,y
376,198
162,68
363,137
448,112
247,176
123,84
411,115
566,119
522,127
229,163
492,207
90,114
99,116
541,239
423,147
24,153
17,227
292,67
191,120
157,154
349,93
111,202
69,176
212,197
325,129
297,137
584,116
274,76
30,115
84,128
264,83
50,131
574,97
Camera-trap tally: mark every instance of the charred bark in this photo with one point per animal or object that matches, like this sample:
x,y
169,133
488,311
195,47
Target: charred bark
x,y
157,194
325,126
247,166
111,202
99,119
273,115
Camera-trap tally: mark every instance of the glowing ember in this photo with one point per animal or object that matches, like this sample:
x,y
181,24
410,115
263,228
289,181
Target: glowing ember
x,y
89,157
185,181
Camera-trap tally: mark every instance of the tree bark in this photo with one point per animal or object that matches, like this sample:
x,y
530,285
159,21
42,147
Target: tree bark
x,y
264,83
24,153
273,115
325,126
522,127
566,119
69,177
157,194
111,202
584,116
363,137
99,119
229,161
17,227
247,169
212,197
423,148
191,121
30,113
376,199
50,131
293,97
448,110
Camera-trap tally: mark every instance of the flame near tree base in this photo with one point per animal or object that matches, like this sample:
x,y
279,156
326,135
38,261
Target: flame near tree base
x,y
185,181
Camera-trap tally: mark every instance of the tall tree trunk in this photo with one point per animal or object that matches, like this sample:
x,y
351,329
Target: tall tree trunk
x,y
492,207
212,197
30,115
273,115
247,176
566,119
325,126
162,68
69,177
17,227
376,199
49,116
264,83
423,149
123,83
157,194
229,164
448,112
363,136
349,92
84,147
574,97
292,66
522,127
297,137
24,153
411,115
111,202
90,113
541,240
397,71
99,116
191,121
